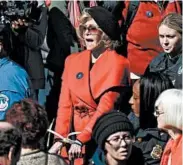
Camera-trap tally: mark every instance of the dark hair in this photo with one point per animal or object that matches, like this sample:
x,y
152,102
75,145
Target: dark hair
x,y
10,137
10,141
151,85
32,121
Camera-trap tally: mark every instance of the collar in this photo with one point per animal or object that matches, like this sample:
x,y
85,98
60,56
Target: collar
x,y
4,60
29,151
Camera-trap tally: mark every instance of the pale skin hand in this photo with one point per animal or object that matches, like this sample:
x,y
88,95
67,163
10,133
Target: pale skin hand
x,y
18,23
56,148
75,151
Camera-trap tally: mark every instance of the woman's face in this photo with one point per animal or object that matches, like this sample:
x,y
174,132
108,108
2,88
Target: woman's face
x,y
135,99
91,34
170,39
159,113
119,146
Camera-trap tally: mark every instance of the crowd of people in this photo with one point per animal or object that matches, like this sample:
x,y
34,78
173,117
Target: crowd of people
x,y
107,84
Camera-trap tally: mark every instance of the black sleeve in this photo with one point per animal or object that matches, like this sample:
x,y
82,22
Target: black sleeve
x,y
35,34
60,28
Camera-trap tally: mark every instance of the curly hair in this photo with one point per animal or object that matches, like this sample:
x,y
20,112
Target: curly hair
x,y
32,121
108,43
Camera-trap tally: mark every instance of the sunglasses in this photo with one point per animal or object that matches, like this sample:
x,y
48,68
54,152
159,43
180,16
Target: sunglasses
x,y
91,28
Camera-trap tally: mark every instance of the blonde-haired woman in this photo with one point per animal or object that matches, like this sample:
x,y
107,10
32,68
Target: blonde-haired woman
x,y
170,61
168,110
92,80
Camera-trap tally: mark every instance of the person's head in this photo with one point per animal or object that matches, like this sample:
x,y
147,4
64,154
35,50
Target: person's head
x,y
114,133
31,119
170,33
10,144
98,27
169,108
145,92
135,98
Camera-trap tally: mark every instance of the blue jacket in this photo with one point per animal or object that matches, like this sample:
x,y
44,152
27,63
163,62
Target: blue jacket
x,y
14,84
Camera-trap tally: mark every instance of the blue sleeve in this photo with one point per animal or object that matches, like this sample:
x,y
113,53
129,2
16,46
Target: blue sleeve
x,y
7,98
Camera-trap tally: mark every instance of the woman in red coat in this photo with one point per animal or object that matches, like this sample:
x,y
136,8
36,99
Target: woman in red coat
x,y
92,79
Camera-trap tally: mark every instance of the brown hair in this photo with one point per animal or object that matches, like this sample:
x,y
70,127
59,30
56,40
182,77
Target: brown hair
x,y
31,119
173,21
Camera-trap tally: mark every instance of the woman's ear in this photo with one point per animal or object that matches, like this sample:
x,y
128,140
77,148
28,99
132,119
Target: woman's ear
x,y
13,156
133,139
10,154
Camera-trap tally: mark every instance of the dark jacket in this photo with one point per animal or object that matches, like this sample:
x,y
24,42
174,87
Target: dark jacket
x,y
60,38
27,51
151,142
170,67
136,157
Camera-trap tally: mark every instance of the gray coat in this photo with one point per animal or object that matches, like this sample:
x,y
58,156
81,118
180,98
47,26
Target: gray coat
x,y
27,50
40,158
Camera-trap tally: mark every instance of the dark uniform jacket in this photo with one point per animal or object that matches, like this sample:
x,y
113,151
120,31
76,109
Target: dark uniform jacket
x,y
170,67
152,142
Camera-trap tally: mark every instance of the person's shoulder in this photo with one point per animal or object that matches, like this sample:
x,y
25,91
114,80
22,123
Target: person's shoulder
x,y
12,68
158,58
55,159
17,70
120,59
76,56
152,133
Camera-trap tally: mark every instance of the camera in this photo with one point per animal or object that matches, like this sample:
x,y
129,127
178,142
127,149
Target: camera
x,y
14,10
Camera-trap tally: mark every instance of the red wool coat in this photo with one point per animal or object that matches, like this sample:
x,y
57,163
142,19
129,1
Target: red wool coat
x,y
87,94
174,149
81,87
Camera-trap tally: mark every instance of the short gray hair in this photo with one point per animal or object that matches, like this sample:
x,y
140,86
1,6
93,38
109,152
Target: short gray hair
x,y
171,102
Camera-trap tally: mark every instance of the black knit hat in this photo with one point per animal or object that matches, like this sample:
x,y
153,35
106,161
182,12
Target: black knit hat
x,y
110,123
106,21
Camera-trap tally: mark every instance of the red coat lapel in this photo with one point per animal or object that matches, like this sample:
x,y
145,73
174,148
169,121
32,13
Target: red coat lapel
x,y
100,72
107,72
79,77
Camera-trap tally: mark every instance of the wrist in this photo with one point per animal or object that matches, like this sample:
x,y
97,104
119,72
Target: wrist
x,y
78,142
57,140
